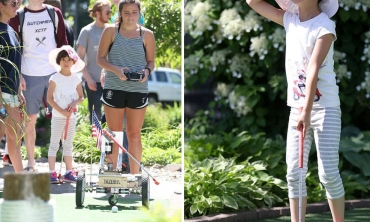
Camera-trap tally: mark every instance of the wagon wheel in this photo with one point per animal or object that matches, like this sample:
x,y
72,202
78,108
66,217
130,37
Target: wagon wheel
x,y
113,199
80,189
145,189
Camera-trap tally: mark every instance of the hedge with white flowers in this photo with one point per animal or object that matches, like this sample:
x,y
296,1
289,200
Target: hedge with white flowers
x,y
243,54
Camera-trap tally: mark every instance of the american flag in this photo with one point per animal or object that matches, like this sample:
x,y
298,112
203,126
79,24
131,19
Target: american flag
x,y
97,130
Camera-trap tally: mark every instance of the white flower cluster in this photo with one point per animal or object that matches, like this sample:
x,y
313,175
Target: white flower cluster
x,y
228,15
187,23
189,6
196,19
233,28
278,39
222,90
231,23
192,63
339,56
365,85
200,9
239,65
188,20
341,70
253,21
366,56
238,104
218,58
259,46
357,5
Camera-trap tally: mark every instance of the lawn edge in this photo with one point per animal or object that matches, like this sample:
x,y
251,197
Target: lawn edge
x,y
268,213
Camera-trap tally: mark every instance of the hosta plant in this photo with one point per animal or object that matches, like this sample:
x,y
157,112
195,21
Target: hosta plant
x,y
220,185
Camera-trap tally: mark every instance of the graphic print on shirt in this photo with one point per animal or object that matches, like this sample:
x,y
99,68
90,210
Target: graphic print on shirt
x,y
299,82
40,27
40,41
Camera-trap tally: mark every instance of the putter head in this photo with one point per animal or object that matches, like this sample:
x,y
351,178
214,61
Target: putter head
x,y
155,182
60,179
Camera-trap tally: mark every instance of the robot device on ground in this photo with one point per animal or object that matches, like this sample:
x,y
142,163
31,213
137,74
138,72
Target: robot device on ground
x,y
114,182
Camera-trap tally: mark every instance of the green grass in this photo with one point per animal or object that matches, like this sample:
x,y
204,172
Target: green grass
x,y
97,209
355,215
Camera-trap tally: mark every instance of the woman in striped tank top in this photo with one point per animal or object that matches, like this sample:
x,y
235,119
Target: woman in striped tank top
x,y
126,46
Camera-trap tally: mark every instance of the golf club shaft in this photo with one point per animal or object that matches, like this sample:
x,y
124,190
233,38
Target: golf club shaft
x,y
108,134
63,144
300,166
66,129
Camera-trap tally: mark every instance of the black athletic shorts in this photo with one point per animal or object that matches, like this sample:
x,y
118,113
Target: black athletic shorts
x,y
123,99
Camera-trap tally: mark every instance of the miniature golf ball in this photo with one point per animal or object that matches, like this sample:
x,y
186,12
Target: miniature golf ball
x,y
114,209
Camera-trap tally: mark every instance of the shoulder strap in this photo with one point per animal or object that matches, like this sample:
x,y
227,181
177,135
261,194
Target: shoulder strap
x,y
141,33
111,44
52,13
20,13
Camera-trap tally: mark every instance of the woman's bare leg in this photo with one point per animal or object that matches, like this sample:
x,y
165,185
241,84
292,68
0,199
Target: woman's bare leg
x,y
114,118
13,137
134,123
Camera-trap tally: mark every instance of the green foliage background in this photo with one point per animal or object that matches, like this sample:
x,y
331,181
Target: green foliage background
x,y
164,19
242,55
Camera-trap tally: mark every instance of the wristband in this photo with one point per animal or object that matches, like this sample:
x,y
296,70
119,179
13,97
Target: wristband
x,y
148,70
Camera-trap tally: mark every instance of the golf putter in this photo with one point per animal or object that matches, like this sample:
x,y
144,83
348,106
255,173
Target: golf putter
x,y
300,166
61,162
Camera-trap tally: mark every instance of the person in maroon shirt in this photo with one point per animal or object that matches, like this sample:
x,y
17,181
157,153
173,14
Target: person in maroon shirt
x,y
38,38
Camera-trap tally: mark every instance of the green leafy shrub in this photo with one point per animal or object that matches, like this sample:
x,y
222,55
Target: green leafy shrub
x,y
43,127
220,185
163,138
161,141
354,149
271,152
159,213
240,55
168,37
174,114
241,145
157,134
38,152
157,155
156,118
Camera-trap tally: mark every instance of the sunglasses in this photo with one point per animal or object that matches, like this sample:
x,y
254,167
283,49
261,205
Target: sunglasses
x,y
15,4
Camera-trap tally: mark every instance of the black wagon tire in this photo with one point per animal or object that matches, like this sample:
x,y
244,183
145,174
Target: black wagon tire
x,y
80,189
145,189
112,200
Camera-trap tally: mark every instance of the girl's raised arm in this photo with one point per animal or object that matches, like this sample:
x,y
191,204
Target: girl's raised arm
x,y
266,10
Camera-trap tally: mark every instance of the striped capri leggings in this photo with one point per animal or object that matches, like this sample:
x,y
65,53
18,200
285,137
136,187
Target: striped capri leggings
x,y
325,129
57,128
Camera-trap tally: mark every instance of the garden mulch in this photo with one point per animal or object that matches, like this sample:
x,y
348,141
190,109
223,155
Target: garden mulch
x,y
278,212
